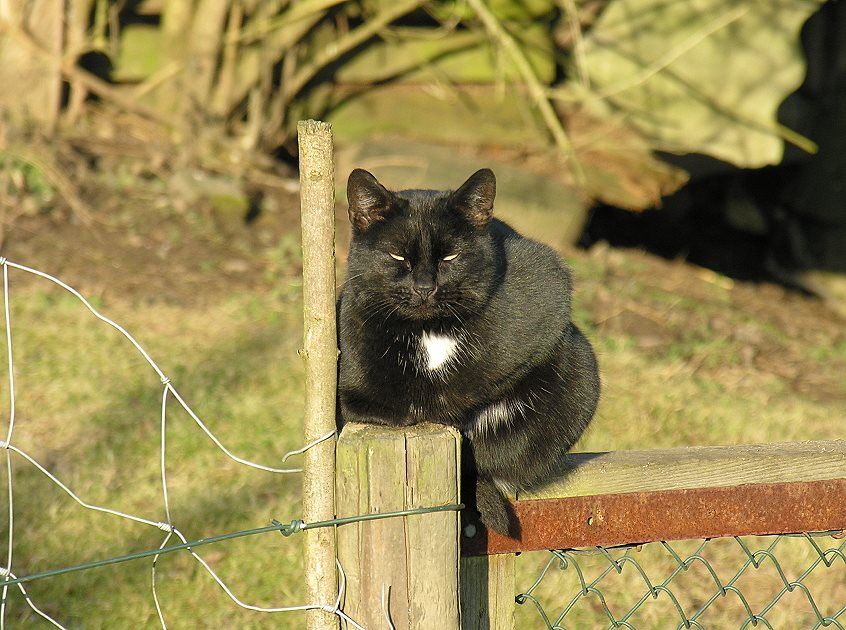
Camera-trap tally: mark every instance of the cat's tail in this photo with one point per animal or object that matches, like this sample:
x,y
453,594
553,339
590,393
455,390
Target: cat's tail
x,y
495,510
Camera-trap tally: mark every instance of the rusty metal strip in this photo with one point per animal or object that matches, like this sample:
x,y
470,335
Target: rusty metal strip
x,y
641,517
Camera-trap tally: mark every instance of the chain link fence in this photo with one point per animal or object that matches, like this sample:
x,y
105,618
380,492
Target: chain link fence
x,y
787,581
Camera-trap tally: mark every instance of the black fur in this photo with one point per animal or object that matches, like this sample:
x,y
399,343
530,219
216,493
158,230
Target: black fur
x,y
521,383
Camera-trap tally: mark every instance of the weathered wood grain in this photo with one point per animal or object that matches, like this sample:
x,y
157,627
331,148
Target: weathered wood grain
x,y
320,353
487,592
404,568
695,467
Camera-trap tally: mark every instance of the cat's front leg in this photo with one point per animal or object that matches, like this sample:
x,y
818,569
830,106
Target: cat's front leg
x,y
358,409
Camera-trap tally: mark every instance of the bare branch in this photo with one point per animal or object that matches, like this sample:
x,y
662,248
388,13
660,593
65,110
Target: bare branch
x,y
536,89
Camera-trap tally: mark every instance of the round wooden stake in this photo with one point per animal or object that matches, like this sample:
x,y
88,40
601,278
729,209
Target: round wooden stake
x,y
320,353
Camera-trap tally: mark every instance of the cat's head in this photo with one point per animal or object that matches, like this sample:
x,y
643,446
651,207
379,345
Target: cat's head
x,y
421,255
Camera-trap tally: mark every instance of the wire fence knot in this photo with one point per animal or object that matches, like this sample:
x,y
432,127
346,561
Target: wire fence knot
x,y
2,260
4,444
165,527
294,527
4,572
165,380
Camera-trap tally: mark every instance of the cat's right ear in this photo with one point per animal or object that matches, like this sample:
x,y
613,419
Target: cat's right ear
x,y
475,198
369,200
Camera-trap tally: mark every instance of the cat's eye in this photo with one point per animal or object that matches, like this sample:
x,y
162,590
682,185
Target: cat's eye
x,y
395,256
450,257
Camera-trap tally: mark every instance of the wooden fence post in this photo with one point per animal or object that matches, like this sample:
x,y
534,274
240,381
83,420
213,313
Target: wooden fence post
x,y
487,592
320,353
410,563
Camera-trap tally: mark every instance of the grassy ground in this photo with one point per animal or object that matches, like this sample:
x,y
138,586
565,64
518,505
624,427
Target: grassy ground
x,y
88,409
688,357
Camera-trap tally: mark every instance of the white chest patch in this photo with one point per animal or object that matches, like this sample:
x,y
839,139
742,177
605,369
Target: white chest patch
x,y
438,349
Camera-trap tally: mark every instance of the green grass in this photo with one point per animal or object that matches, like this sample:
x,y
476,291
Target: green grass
x,y
88,408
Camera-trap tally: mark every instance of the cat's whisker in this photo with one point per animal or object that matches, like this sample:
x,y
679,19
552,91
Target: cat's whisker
x,y
377,308
395,309
527,402
347,280
452,310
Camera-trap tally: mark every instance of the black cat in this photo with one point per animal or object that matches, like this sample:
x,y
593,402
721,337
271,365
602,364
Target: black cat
x,y
448,315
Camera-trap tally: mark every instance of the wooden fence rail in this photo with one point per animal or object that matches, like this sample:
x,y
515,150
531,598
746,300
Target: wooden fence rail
x,y
601,499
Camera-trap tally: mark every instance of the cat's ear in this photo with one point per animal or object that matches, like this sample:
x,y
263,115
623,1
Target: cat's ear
x,y
369,200
475,198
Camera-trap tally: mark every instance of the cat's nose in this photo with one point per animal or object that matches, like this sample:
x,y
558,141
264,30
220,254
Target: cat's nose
x,y
425,291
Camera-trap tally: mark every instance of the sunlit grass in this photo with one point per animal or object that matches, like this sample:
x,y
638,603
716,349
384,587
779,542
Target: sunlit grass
x,y
88,409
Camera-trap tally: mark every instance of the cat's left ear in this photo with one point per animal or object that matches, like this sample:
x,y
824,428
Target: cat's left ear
x,y
475,198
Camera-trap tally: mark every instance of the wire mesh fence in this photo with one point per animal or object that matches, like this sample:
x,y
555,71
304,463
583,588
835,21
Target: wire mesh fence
x,y
161,521
786,581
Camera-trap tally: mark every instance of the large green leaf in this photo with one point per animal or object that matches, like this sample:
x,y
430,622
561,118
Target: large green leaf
x,y
699,76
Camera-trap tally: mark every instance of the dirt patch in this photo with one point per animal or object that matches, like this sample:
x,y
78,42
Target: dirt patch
x,y
732,331
146,247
